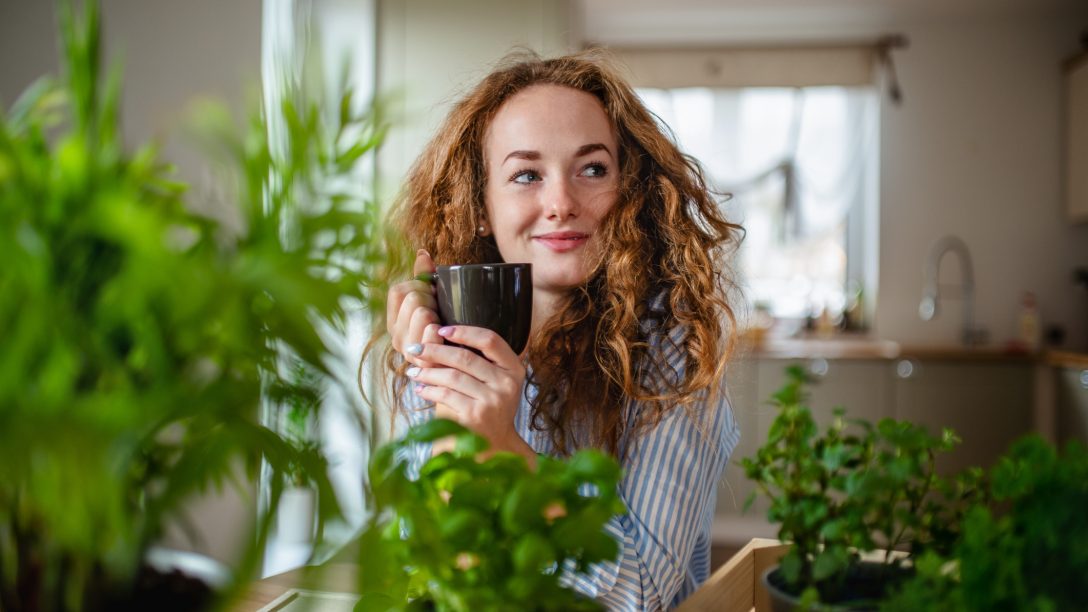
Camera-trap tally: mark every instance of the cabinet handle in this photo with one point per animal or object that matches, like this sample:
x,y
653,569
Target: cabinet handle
x,y
904,369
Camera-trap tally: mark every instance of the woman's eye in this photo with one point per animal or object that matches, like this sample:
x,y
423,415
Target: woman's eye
x,y
595,170
525,177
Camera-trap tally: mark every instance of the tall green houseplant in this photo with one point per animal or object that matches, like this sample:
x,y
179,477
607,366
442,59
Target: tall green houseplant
x,y
139,338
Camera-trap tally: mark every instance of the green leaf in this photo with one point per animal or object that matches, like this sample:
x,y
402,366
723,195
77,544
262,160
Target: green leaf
x,y
532,553
601,547
377,602
435,429
829,562
593,466
790,566
461,528
470,445
522,507
479,493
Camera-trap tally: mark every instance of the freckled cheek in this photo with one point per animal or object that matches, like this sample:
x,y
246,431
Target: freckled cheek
x,y
602,201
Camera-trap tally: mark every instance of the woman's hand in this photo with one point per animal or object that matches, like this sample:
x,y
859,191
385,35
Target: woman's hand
x,y
411,315
481,394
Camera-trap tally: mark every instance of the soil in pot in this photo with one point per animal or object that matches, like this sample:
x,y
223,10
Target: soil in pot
x,y
864,587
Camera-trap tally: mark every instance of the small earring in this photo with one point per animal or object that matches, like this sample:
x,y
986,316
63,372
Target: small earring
x,y
481,231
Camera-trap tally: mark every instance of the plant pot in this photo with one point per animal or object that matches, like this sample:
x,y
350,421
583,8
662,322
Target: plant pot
x,y
867,583
295,516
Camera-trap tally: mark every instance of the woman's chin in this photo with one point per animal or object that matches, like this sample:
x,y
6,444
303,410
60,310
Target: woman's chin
x,y
557,284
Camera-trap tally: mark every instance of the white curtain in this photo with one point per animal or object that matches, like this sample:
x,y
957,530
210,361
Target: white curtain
x,y
799,163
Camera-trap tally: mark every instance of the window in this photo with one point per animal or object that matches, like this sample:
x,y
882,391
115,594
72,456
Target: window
x,y
801,165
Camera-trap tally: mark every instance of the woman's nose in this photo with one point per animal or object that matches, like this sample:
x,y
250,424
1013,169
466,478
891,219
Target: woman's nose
x,y
562,201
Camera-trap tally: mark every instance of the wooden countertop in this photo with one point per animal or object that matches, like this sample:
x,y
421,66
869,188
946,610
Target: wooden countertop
x,y
865,348
336,577
1066,359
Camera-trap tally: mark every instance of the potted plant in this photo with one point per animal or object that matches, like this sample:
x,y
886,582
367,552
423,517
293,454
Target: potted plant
x,y
1026,552
472,534
850,489
140,338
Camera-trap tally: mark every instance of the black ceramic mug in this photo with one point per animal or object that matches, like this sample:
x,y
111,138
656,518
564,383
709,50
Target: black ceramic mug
x,y
498,297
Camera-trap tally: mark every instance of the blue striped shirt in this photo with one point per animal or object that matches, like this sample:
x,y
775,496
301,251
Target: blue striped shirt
x,y
670,477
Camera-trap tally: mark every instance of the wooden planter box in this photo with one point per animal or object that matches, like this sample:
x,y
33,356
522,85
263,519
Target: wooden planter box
x,y
736,586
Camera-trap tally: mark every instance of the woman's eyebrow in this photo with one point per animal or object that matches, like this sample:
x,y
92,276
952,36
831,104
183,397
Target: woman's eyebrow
x,y
535,155
590,148
529,155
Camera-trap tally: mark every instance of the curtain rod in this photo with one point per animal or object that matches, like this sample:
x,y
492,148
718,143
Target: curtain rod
x,y
882,46
885,42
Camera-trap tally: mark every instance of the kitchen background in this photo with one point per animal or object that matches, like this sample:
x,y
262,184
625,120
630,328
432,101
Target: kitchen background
x,y
974,150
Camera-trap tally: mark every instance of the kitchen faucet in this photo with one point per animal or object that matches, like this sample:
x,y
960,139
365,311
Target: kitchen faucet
x,y
931,293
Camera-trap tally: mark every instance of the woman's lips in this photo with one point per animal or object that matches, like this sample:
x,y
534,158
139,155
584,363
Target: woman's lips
x,y
562,241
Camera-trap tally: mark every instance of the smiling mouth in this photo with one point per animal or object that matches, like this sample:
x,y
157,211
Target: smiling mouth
x,y
563,236
562,241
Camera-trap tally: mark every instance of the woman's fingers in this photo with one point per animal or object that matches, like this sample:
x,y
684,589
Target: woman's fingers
x,y
402,291
402,331
457,406
487,342
423,263
405,299
457,358
449,378
420,319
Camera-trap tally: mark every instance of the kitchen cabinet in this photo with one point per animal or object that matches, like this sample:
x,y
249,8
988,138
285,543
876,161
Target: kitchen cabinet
x,y
987,402
988,405
1076,137
1072,401
862,386
741,389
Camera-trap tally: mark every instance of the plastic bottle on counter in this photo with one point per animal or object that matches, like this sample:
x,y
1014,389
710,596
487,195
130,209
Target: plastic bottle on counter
x,y
825,327
1030,332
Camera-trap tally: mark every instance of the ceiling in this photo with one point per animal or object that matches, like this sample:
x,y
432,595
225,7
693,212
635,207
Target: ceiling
x,y
692,21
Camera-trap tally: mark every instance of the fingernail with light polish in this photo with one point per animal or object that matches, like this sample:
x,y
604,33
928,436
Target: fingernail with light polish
x,y
415,349
445,331
413,371
420,388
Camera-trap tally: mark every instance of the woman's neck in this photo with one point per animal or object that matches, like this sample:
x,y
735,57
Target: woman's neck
x,y
544,306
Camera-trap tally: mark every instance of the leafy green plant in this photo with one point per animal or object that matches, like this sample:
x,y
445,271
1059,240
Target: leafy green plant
x,y
1026,552
301,411
140,338
852,488
484,535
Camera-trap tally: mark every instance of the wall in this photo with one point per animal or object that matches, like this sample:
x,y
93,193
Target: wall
x,y
431,50
171,52
974,150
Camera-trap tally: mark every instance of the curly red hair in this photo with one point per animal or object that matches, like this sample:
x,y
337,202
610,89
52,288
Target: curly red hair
x,y
665,238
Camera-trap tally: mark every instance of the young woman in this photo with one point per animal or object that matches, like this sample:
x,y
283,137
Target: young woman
x,y
557,163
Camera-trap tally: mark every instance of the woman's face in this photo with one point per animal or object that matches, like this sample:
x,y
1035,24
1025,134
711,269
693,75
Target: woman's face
x,y
552,175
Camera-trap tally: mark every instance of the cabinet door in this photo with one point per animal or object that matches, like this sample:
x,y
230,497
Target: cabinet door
x,y
734,488
862,387
988,405
1072,396
1076,138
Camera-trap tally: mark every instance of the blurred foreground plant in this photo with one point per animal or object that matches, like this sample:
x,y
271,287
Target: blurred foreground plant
x,y
138,336
484,535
